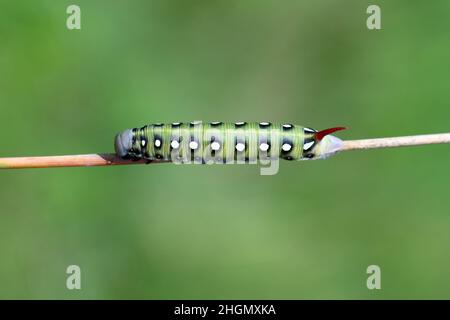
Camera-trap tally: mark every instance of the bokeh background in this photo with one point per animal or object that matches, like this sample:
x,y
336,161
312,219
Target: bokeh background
x,y
169,232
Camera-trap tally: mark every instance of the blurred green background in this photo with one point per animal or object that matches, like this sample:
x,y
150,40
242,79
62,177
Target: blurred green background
x,y
169,232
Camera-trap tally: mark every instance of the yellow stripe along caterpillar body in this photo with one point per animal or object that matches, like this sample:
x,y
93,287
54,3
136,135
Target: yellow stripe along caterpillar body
x,y
219,142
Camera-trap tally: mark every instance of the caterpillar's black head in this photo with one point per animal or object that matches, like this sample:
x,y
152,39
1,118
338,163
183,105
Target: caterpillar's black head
x,y
124,143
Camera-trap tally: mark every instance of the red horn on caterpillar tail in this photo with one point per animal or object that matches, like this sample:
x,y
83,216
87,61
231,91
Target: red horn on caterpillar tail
x,y
321,134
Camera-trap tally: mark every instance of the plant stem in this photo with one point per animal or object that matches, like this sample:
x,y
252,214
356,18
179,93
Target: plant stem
x,y
396,142
109,159
79,160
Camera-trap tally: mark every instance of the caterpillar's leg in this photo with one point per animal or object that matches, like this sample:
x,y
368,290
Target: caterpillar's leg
x,y
133,157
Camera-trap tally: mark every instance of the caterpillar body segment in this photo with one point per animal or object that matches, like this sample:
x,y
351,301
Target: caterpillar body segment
x,y
219,142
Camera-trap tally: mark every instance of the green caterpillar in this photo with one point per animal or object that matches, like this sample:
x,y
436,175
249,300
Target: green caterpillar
x,y
218,142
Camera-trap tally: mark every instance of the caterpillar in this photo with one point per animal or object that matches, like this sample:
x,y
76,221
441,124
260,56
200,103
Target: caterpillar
x,y
219,142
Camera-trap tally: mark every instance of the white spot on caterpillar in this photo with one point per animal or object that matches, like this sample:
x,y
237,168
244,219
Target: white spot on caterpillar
x,y
286,147
309,130
215,146
263,146
308,145
240,147
176,123
157,143
143,142
287,125
175,144
264,123
240,123
193,145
